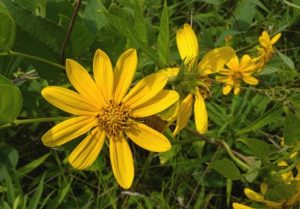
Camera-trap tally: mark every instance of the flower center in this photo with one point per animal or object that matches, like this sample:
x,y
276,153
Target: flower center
x,y
114,118
204,84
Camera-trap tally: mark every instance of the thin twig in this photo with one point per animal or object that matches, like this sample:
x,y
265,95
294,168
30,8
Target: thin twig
x,y
67,37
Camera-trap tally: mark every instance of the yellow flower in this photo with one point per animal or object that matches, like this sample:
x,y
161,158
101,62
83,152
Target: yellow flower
x,y
288,177
237,71
101,108
212,62
266,50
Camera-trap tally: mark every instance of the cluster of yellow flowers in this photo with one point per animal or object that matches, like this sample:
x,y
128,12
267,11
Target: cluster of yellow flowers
x,y
105,105
284,203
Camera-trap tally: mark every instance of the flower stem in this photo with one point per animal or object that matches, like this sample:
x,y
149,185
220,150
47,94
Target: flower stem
x,y
31,120
234,155
28,56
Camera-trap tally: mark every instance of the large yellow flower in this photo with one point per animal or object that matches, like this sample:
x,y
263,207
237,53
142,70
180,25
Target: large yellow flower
x,y
212,62
237,71
266,50
101,108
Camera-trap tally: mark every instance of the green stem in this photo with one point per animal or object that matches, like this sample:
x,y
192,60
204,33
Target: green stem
x,y
240,163
32,120
292,5
223,144
28,56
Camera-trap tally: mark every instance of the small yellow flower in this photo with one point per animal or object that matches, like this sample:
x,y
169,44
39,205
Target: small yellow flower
x,y
212,62
101,108
237,71
288,177
266,50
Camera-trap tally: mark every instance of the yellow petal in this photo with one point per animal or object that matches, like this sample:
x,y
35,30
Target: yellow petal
x,y
83,83
103,74
146,89
250,80
236,89
172,72
124,73
88,150
253,195
275,38
233,64
236,205
184,113
294,199
264,39
171,113
274,205
121,161
187,44
226,89
68,101
200,113
245,62
157,104
148,138
214,60
67,130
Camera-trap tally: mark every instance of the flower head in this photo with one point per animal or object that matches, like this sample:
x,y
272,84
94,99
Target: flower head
x,y
266,50
237,70
195,82
288,178
102,109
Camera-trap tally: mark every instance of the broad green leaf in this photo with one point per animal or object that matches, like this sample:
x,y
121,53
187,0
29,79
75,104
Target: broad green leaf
x,y
291,130
16,202
5,81
81,38
165,157
287,61
261,5
163,39
32,165
40,28
129,32
243,14
139,21
268,117
10,103
253,171
226,168
34,202
94,20
9,157
7,31
258,148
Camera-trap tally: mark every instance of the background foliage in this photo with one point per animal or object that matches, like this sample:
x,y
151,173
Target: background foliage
x,y
194,174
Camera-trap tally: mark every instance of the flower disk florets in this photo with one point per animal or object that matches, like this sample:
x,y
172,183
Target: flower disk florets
x,y
114,118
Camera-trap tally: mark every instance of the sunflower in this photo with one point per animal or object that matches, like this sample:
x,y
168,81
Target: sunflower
x,y
101,108
195,82
236,71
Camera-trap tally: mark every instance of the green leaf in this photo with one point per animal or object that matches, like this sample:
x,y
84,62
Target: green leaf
x,y
94,20
7,31
33,204
9,185
40,28
226,168
32,165
10,103
253,171
258,148
163,39
291,130
129,32
9,157
5,81
243,14
268,117
287,61
139,21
